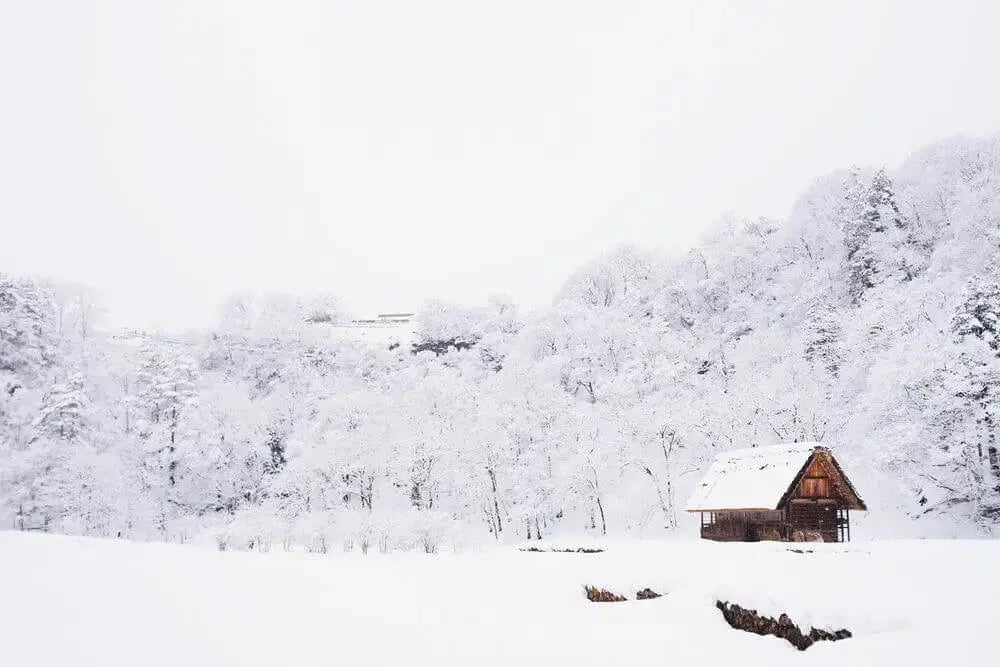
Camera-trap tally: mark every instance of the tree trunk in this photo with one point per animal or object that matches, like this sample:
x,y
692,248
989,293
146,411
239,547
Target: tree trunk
x,y
496,504
659,495
667,451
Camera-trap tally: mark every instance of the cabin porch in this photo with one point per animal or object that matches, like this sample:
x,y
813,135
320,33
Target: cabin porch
x,y
831,522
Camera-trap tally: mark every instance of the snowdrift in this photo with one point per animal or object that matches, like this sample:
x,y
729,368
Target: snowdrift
x,y
92,602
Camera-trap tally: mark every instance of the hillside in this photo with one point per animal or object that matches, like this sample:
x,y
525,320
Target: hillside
x,y
868,320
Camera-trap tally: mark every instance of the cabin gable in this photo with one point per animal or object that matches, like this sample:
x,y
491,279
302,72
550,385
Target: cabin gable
x,y
822,480
815,482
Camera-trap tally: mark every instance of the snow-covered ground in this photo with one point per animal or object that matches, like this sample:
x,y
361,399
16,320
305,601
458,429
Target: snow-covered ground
x,y
85,602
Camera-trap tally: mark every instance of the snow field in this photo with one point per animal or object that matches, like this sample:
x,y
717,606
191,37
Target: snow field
x,y
95,602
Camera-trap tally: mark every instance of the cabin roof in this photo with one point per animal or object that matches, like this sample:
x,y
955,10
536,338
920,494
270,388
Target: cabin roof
x,y
757,478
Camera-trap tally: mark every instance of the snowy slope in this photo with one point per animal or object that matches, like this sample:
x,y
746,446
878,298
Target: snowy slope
x,y
90,602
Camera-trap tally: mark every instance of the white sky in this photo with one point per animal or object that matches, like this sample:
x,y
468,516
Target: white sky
x,y
171,152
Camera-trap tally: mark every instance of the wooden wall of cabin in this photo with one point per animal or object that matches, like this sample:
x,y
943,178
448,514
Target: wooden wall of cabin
x,y
814,503
744,526
816,483
805,515
724,526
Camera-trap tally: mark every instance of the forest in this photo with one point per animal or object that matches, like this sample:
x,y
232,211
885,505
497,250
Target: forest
x,y
868,320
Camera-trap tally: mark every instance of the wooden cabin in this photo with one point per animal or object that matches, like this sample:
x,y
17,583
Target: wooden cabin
x,y
790,492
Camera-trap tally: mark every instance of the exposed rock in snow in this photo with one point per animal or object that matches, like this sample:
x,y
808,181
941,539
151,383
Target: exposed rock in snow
x,y
750,621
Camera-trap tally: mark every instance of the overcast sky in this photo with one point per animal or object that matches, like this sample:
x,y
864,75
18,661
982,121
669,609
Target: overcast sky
x,y
171,152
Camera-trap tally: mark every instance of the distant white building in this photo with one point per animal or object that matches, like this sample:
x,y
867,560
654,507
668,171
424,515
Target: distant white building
x,y
382,329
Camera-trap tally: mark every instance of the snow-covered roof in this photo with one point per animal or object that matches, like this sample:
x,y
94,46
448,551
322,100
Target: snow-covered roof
x,y
754,478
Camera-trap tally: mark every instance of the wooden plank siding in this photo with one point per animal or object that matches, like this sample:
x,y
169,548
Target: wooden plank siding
x,y
746,526
816,482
